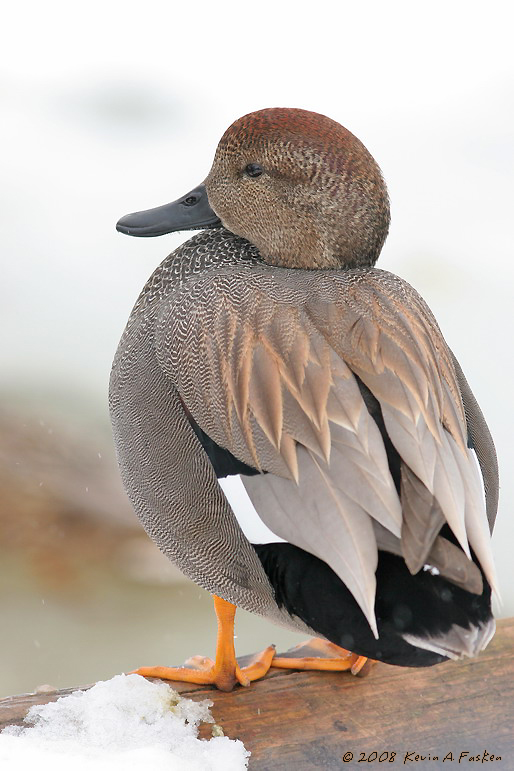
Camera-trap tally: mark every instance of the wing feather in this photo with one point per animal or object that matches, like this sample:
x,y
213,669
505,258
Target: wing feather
x,y
265,394
422,520
481,439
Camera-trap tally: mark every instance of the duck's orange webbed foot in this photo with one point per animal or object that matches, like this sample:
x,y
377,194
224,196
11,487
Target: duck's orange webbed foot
x,y
225,672
317,654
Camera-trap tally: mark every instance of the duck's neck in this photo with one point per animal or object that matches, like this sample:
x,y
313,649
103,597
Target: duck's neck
x,y
312,249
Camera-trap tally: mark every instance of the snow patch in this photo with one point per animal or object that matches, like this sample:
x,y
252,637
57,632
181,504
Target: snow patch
x,y
123,724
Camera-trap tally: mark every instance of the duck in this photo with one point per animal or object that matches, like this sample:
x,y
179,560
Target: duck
x,y
269,346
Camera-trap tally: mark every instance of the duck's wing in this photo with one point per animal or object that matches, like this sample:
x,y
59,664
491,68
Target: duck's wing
x,y
480,439
272,366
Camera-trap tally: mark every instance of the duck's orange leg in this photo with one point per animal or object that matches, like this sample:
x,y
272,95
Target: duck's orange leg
x,y
317,654
225,672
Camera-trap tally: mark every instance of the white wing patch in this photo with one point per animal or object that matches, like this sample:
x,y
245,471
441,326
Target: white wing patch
x,y
249,521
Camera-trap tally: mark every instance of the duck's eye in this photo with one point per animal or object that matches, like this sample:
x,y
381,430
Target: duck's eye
x,y
190,200
254,170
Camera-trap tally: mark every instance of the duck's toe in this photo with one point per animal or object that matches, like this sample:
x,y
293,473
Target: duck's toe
x,y
223,673
318,654
257,668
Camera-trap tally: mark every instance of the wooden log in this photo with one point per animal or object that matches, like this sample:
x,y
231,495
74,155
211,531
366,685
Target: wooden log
x,y
321,720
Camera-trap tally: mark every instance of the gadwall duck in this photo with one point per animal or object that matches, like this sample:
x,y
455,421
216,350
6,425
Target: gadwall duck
x,y
269,346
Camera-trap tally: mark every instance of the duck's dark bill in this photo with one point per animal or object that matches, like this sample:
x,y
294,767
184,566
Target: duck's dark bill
x,y
191,212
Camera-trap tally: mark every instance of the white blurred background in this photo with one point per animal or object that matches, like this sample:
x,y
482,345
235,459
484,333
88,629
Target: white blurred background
x,y
112,107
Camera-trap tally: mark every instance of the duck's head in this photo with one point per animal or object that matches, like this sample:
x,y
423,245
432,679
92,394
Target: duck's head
x,y
301,188
296,184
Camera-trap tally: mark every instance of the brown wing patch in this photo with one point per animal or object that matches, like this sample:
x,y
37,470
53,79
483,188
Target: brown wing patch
x,y
422,520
